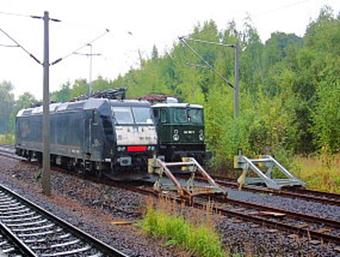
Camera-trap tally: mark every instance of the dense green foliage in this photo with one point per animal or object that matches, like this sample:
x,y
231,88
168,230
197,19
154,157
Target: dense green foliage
x,y
290,87
6,106
7,139
9,107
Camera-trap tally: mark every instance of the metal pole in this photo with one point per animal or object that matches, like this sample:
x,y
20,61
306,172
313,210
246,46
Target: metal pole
x,y
90,74
46,187
237,80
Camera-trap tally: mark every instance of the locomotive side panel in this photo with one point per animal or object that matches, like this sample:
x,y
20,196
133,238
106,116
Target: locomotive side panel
x,y
29,133
66,134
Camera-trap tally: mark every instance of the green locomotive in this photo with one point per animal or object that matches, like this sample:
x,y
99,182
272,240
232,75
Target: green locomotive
x,y
180,130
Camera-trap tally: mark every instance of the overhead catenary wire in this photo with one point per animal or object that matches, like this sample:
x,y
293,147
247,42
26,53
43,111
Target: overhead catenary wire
x,y
21,46
259,14
86,54
191,65
208,42
26,16
205,62
15,14
17,44
66,22
81,47
6,45
187,64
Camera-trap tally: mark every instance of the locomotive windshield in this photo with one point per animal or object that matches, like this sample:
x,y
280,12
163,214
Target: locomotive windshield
x,y
180,115
123,115
142,115
195,115
132,115
187,115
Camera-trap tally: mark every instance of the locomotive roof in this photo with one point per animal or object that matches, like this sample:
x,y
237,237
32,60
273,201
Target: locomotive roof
x,y
101,104
132,103
178,105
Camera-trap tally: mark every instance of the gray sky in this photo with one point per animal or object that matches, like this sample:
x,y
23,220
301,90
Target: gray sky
x,y
151,22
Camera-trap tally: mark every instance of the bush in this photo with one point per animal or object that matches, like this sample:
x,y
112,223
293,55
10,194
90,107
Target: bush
x,y
202,240
7,139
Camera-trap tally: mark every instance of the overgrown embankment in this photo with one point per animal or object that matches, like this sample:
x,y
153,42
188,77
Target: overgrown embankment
x,y
7,139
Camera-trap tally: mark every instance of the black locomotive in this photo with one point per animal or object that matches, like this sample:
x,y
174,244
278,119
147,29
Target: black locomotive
x,y
95,134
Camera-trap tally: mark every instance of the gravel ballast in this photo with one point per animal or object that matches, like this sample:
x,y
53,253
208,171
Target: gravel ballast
x,y
95,207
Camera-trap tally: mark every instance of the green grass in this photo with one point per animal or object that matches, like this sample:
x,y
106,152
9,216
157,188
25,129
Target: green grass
x,y
200,240
7,139
320,174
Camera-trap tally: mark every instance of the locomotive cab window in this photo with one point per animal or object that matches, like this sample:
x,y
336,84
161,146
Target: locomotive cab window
x,y
134,115
142,115
187,115
195,115
164,115
156,115
95,118
180,115
122,115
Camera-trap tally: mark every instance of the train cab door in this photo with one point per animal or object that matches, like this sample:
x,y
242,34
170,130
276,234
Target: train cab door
x,y
96,129
87,133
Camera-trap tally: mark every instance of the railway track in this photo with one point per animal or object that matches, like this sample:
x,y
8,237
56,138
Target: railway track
x,y
28,230
308,226
303,225
9,246
7,149
311,227
306,194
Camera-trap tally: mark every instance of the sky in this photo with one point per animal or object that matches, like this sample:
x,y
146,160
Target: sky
x,y
135,25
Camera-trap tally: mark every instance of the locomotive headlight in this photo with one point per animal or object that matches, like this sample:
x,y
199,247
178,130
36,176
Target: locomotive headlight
x,y
175,136
121,148
151,148
201,135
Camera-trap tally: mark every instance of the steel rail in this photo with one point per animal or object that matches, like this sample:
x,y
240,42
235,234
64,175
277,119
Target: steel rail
x,y
306,194
85,237
274,224
317,193
309,218
19,244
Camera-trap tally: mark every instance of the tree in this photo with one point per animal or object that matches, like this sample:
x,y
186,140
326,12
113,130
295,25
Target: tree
x,y
62,95
6,106
80,87
154,53
26,100
252,70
